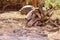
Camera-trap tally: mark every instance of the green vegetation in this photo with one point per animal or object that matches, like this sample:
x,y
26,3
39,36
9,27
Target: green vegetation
x,y
54,3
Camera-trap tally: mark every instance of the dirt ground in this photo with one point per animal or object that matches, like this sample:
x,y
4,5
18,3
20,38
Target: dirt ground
x,y
12,27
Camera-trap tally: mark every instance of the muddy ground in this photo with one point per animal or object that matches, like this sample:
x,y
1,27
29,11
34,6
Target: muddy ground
x,y
12,27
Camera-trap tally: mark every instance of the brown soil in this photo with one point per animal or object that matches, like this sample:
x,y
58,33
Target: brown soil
x,y
13,27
